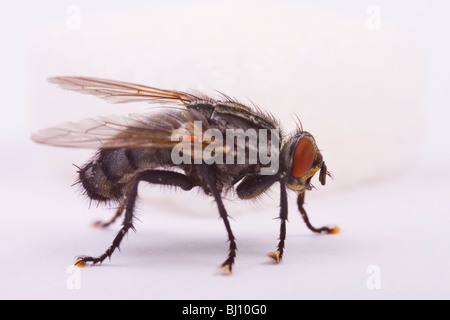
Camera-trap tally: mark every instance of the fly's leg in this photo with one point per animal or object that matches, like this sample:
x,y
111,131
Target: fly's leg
x,y
326,230
119,211
205,172
252,187
277,255
152,176
126,226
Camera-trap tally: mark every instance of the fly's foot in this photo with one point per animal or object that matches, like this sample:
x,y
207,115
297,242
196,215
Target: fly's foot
x,y
227,268
227,265
82,262
335,230
275,256
327,230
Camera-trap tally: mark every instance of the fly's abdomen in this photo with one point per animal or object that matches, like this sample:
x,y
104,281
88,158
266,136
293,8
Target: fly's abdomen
x,y
109,173
96,184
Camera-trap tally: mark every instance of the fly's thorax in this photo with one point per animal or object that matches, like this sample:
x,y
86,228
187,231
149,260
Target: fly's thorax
x,y
300,159
236,135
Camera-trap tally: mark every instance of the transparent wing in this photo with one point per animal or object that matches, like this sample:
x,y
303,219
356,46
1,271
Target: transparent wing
x,y
134,131
123,92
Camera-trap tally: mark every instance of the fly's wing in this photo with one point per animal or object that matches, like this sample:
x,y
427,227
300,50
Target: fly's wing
x,y
134,131
123,92
162,130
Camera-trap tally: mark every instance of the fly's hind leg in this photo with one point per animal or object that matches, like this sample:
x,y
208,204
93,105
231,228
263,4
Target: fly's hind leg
x,y
326,230
126,226
152,176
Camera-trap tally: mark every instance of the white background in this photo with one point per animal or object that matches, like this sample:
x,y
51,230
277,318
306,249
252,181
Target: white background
x,y
397,221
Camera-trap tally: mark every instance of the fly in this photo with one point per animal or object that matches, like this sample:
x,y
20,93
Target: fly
x,y
193,141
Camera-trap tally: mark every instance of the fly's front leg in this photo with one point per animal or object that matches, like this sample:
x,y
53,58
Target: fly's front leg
x,y
326,230
252,187
153,176
277,255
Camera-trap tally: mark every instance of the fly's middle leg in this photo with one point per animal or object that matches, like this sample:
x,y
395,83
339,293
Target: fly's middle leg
x,y
278,255
227,265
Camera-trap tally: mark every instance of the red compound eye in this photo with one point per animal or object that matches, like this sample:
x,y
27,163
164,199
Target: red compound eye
x,y
303,157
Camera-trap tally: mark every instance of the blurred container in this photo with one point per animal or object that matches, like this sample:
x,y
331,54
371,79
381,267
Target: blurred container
x,y
358,91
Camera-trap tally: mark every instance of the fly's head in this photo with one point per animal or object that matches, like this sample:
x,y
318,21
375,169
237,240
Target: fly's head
x,y
301,160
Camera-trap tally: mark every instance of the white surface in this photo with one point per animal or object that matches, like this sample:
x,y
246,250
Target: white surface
x,y
399,223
